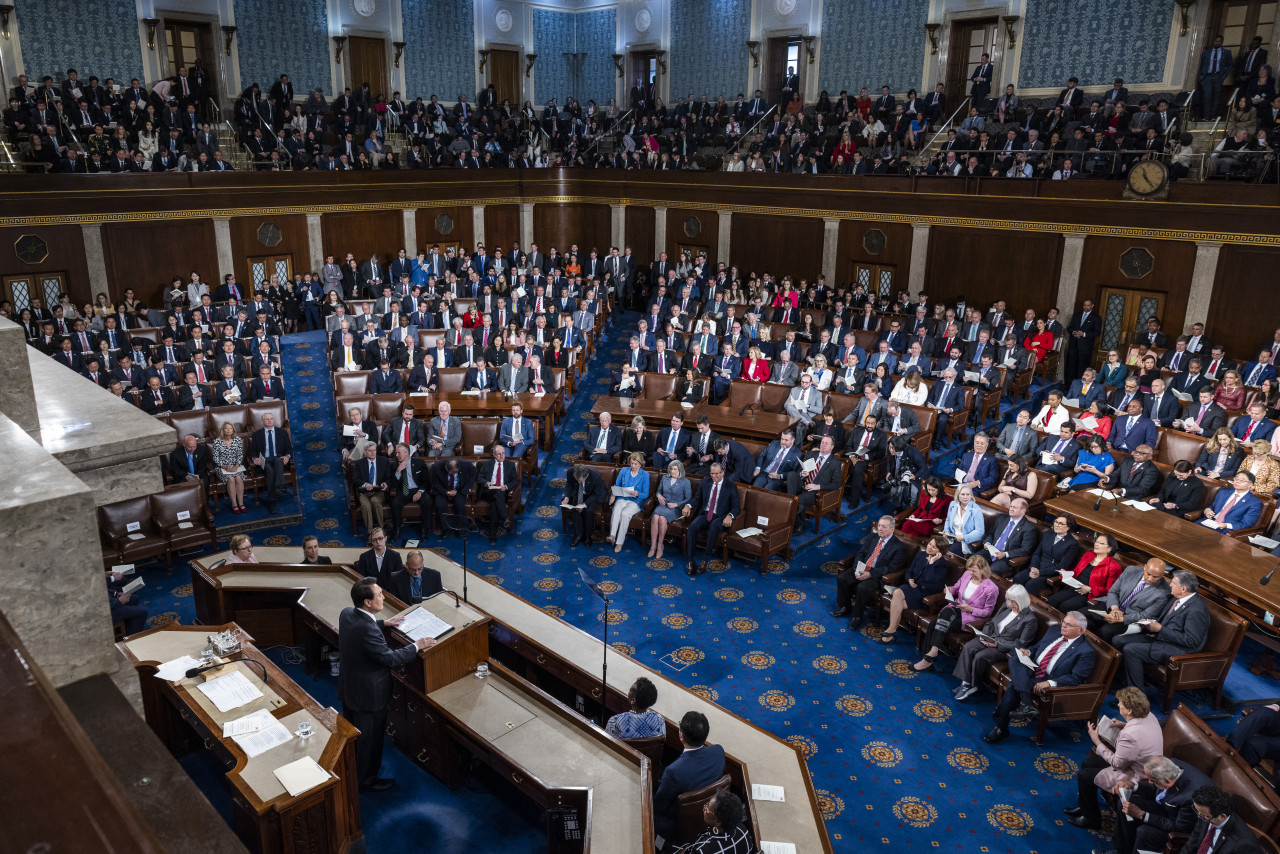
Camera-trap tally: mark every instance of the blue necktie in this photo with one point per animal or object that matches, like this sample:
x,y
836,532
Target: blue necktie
x,y
415,586
1004,536
191,463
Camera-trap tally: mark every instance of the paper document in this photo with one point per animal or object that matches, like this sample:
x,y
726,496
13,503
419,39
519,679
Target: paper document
x,y
1089,423
137,536
621,491
255,743
1181,395
1101,612
298,777
230,692
136,584
1073,402
573,506
1009,363
1139,505
762,520
777,847
475,392
251,722
1025,659
1046,458
185,525
808,465
980,633
421,623
172,671
971,376
962,476
761,792
749,532
951,597
1069,579
124,568
1263,542
1110,496
1109,728
349,430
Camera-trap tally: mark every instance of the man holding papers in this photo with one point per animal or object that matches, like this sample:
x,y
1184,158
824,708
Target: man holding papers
x,y
977,468
819,472
1010,537
1204,417
1140,593
1235,508
1182,627
1087,389
881,553
1063,657
1057,454
1134,477
1161,405
364,686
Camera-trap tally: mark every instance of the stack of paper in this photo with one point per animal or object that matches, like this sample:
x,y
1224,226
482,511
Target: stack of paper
x,y
1139,505
1263,542
172,671
230,692
761,792
300,776
421,623
748,532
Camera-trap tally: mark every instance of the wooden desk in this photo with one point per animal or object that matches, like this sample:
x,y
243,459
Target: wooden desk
x,y
754,425
492,405
269,820
558,657
1229,565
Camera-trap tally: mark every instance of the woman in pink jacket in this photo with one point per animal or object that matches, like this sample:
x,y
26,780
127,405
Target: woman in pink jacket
x,y
973,599
1106,768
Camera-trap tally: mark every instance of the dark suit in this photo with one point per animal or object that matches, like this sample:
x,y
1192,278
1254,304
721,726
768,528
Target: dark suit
x,y
1080,350
1019,543
1234,837
395,433
827,478
1174,812
1162,409
272,464
1051,556
401,586
692,770
1072,667
150,405
497,498
1137,480
726,504
1182,630
1184,494
874,444
179,467
1126,436
417,470
940,398
462,482
592,492
663,453
986,472
612,444
367,565
790,462
892,557
364,686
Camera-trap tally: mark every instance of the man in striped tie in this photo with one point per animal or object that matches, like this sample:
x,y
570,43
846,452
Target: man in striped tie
x,y
1062,657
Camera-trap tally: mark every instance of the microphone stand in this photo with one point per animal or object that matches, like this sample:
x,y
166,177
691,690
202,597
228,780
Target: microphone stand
x,y
604,664
460,525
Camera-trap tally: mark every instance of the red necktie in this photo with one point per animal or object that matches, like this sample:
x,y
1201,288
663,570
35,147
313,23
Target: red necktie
x,y
1048,658
84,342
1249,432
200,373
1207,842
711,505
406,432
875,553
1226,508
813,474
1213,368
158,400
1048,416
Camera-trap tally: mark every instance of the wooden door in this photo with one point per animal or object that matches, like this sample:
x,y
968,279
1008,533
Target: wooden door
x,y
1124,312
969,41
878,279
1238,22
368,64
504,74
46,287
184,43
263,267
781,53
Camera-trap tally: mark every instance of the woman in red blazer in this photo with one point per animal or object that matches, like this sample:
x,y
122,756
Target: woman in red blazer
x,y
930,511
755,367
471,319
1098,568
1041,342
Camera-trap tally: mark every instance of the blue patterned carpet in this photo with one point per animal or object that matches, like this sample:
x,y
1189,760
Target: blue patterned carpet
x,y
896,762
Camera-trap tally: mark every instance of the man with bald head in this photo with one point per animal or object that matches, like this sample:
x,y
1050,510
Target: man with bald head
x,y
1140,593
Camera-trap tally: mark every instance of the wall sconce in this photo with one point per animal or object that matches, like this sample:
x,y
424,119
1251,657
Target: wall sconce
x,y
754,49
661,57
228,33
617,62
484,58
1184,5
151,31
531,58
933,36
808,47
338,42
399,46
1009,21
7,10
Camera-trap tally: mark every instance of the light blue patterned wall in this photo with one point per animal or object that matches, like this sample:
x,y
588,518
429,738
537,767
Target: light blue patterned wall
x,y
873,43
597,34
441,54
707,56
99,39
1095,40
274,38
552,39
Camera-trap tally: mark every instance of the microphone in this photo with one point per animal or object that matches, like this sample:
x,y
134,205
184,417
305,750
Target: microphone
x,y
198,670
743,411
1266,579
457,603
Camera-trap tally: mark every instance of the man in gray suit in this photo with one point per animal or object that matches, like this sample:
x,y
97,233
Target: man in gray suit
x,y
331,275
1140,593
785,372
804,402
1215,64
444,432
1017,439
513,378
871,404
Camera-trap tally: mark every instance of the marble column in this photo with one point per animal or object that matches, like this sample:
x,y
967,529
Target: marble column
x,y
830,248
410,216
222,238
724,235
17,393
477,225
618,226
1069,277
526,226
659,231
1202,276
94,257
315,242
919,257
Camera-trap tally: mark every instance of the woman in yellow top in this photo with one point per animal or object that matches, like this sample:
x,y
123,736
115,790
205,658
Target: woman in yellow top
x,y
1265,469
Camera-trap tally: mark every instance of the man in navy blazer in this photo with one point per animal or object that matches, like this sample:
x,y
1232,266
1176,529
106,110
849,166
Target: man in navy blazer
x,y
881,553
775,461
1062,657
1174,782
946,396
710,514
1236,508
1087,389
516,432
1161,405
385,380
1057,550
1134,429
1011,536
671,442
602,449
1257,371
983,476
1256,426
698,766
1181,628
364,685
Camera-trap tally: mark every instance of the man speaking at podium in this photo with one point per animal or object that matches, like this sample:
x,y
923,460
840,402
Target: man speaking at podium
x,y
364,685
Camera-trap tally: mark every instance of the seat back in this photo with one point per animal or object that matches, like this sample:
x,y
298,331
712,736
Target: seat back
x,y
1185,739
651,746
452,379
773,397
659,386
351,382
1226,630
478,435
384,407
115,519
768,509
194,421
262,407
344,405
234,415
168,507
742,393
1176,445
928,419
689,821
842,404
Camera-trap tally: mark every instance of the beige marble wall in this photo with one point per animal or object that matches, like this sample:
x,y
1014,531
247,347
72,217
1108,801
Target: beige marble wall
x,y
17,395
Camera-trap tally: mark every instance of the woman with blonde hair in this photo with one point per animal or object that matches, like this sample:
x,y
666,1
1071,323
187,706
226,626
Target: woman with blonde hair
x,y
973,598
910,389
1263,467
228,456
634,481
1221,456
674,494
242,550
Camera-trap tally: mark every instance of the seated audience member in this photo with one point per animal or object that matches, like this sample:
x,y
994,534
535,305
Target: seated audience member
x,y
363,432
715,506
1019,481
1052,415
859,584
228,460
640,721
925,576
379,561
774,463
727,831
1140,593
1123,765
1093,463
973,598
1180,493
1057,454
1017,439
1263,467
1009,537
516,432
1014,626
1182,627
242,550
866,444
1257,737
930,511
824,476
371,478
1134,478
415,582
1255,426
803,402
1097,570
1234,508
1160,806
189,461
1062,657
671,442
409,485
1204,417
978,466
1057,550
603,440
584,490
311,551
698,766
451,483
636,439
1220,457
124,606
444,432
